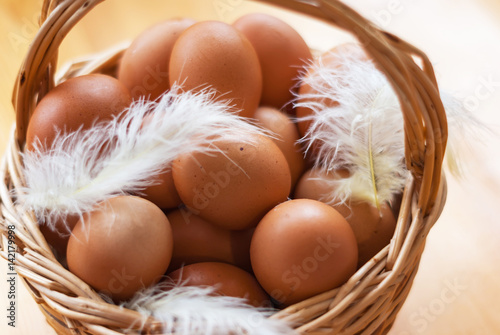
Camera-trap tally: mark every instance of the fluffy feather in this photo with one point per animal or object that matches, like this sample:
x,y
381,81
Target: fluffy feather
x,y
363,133
464,128
192,310
120,156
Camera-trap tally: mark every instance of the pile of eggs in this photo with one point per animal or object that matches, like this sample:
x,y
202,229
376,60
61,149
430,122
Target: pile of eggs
x,y
248,219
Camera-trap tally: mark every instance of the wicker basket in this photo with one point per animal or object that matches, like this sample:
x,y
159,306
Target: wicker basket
x,y
368,303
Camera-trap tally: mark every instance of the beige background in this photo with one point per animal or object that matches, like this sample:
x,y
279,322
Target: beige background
x,y
456,290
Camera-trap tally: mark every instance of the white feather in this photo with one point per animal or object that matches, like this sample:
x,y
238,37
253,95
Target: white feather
x,y
193,310
465,131
120,156
363,133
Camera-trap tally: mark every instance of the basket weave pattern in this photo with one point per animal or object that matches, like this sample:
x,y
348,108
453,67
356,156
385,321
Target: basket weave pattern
x,y
367,304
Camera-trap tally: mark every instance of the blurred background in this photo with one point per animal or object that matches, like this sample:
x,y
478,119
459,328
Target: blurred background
x,y
456,290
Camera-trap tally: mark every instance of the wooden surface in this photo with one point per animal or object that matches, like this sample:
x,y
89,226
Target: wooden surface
x,y
456,290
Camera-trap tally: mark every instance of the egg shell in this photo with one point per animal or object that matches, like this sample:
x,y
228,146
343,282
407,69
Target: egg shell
x,y
312,184
330,59
372,226
287,136
144,66
196,240
236,187
57,235
122,246
227,279
282,55
216,55
77,102
302,248
396,204
162,191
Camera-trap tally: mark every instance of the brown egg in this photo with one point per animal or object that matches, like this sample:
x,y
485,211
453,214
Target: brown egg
x,y
234,189
330,59
280,124
282,54
214,54
58,235
396,204
144,65
372,226
228,280
303,112
163,193
77,102
196,240
125,244
312,184
302,248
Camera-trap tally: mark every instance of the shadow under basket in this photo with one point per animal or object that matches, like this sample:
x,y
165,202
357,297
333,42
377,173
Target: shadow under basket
x,y
367,304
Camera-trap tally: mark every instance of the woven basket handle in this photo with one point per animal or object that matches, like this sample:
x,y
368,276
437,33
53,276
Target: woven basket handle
x,y
416,87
